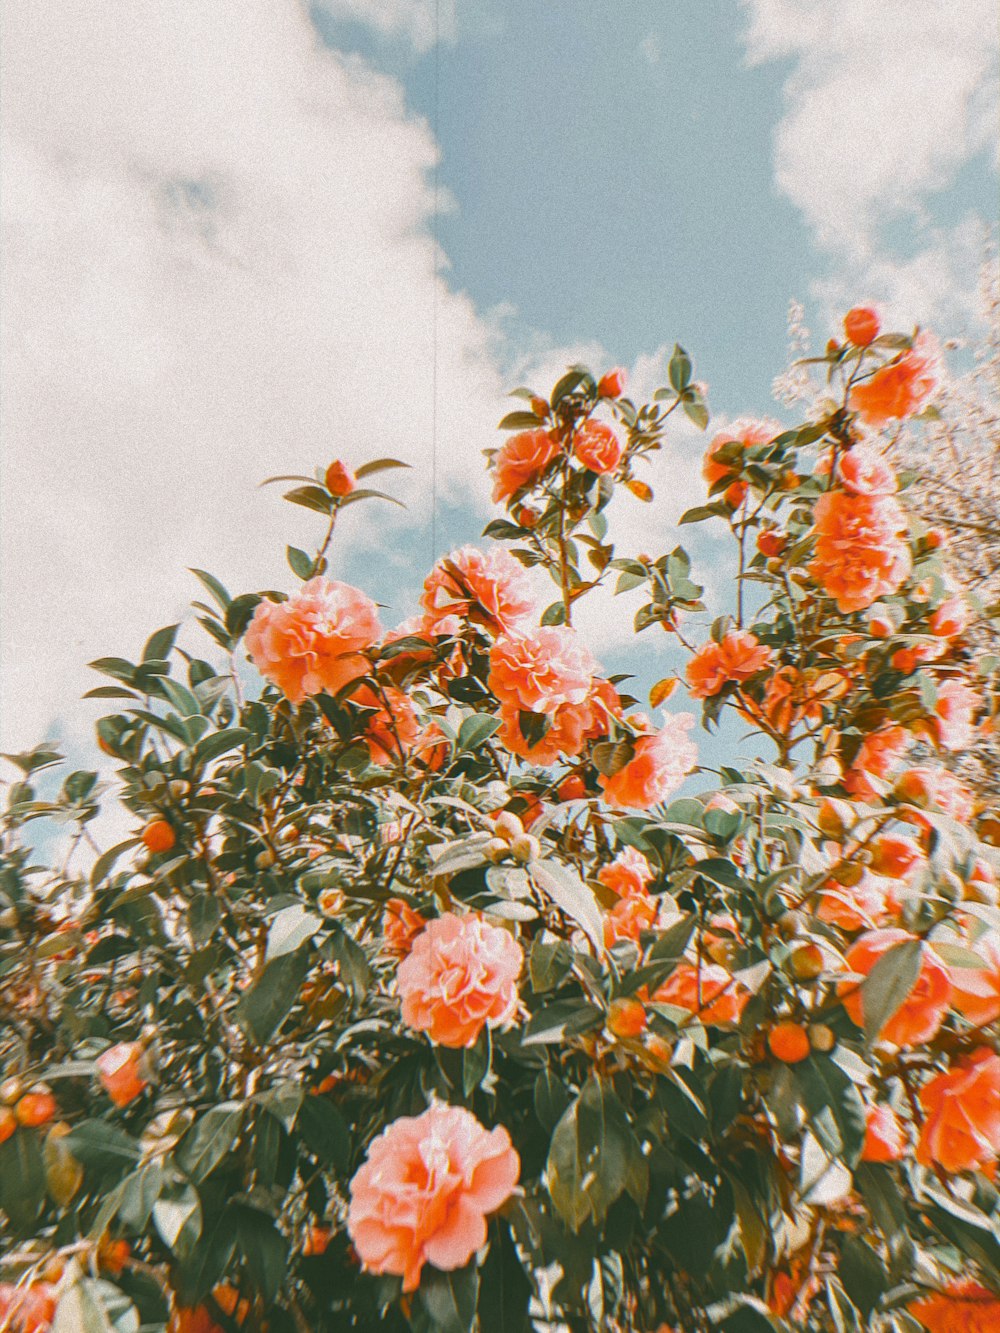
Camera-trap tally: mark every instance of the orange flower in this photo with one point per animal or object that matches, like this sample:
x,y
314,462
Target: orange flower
x,y
314,641
425,1190
927,786
900,388
660,764
628,874
459,977
861,324
540,671
963,1307
896,856
860,553
951,618
920,1015
962,1128
391,730
401,924
120,1070
488,588
865,472
976,990
630,917
876,757
29,1309
745,433
566,734
737,657
612,384
520,460
597,447
861,906
710,992
789,698
885,1140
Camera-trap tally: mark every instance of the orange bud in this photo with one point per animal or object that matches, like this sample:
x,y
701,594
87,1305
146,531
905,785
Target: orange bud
x,y
771,541
528,517
789,1042
640,490
626,1018
540,408
158,836
572,788
862,325
8,1123
612,385
36,1107
735,494
119,1072
339,479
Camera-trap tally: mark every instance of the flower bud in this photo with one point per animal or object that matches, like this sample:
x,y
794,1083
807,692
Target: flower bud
x,y
821,1038
612,385
862,325
339,479
626,1018
507,825
525,847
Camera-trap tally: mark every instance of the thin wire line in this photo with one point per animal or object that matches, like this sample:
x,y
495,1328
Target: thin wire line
x,y
434,274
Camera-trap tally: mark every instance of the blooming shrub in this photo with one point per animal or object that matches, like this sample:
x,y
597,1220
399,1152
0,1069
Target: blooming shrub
x,y
437,988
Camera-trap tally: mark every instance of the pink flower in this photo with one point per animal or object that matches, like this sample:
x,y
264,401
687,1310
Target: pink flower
x,y
976,990
520,460
861,906
885,1140
954,710
314,641
709,992
742,432
628,874
391,730
661,762
900,388
951,618
537,672
865,472
630,917
401,924
876,757
962,1128
488,588
860,553
459,977
565,735
926,786
919,1016
425,1189
597,446
737,657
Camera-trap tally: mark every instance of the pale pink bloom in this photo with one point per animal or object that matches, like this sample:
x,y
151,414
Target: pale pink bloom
x,y
861,554
489,588
861,906
901,388
885,1138
976,991
315,640
628,874
425,1189
954,710
538,672
459,977
863,471
876,757
930,787
951,618
661,762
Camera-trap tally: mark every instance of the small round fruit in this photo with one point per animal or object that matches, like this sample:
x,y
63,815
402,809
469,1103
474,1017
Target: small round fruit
x,y
572,788
822,1038
37,1107
806,962
626,1018
265,859
11,1090
525,848
158,836
789,1042
8,1123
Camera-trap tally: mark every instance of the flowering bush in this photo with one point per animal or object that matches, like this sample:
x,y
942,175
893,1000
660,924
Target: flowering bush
x,y
431,992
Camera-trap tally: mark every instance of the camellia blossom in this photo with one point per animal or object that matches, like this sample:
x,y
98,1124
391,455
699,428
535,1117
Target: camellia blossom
x,y
710,992
919,1016
520,460
976,990
314,641
597,447
660,763
391,730
735,658
861,325
861,906
896,856
963,1307
954,710
487,587
459,977
741,432
27,1308
885,1139
401,924
628,874
901,388
934,788
961,1129
877,755
425,1189
538,672
863,471
951,618
861,554
630,916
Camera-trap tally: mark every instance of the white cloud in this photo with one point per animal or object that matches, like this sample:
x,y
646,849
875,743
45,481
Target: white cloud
x,y
218,267
420,22
884,105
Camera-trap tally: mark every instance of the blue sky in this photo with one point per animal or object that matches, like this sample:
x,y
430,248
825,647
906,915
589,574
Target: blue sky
x,y
218,231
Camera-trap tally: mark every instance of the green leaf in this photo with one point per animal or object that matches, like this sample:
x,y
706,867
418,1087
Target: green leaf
x,y
326,1132
209,1140
888,985
695,409
299,563
549,963
567,890
476,730
177,1218
353,963
590,1155
214,587
206,1266
80,1311
701,512
160,645
105,862
218,743
378,465
834,1105
554,614
520,421
679,370
862,1274
289,929
264,1007
559,1020
570,381
203,917
265,1250
450,1299
311,497
102,1147
506,1289
22,1178
114,666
